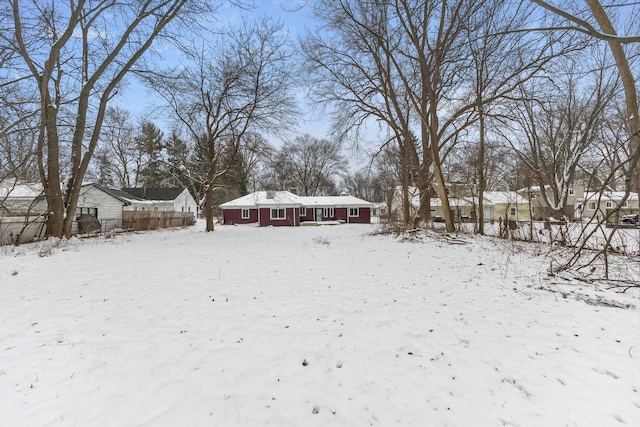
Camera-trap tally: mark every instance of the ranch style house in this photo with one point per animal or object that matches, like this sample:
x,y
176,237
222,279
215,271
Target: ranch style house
x,y
284,208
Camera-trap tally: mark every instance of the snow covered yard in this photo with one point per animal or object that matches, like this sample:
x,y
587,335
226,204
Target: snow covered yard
x,y
306,326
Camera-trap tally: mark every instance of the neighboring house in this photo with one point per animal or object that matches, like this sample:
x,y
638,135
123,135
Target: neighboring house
x,y
283,208
379,210
497,204
22,209
461,208
396,210
506,205
112,209
603,205
20,199
541,211
101,203
174,199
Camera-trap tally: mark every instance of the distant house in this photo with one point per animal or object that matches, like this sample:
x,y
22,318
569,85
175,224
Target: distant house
x,y
541,211
20,199
506,205
283,208
603,205
131,208
22,209
497,204
174,199
396,210
104,204
379,210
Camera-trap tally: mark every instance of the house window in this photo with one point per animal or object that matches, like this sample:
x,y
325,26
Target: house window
x,y
354,211
592,206
609,204
329,213
155,208
625,204
278,213
87,211
303,211
532,195
571,192
512,211
245,213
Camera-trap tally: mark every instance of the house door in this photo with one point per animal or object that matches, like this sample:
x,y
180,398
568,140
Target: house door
x,y
318,214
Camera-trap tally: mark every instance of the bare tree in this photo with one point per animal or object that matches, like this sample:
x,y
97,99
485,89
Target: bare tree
x,y
239,83
354,74
599,24
117,146
588,24
75,55
557,126
314,164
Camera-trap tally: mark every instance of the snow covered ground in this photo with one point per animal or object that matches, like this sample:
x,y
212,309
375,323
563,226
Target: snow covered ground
x,y
308,326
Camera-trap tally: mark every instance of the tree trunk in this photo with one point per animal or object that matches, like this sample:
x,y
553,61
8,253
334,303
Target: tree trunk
x,y
208,208
480,162
629,84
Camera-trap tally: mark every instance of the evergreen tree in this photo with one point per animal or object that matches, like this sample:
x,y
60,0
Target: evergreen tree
x,y
151,170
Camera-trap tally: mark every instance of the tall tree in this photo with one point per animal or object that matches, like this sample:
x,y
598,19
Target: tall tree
x,y
354,74
75,55
314,164
150,163
237,84
598,24
116,152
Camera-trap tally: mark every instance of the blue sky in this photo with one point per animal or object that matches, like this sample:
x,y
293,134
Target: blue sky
x,y
296,15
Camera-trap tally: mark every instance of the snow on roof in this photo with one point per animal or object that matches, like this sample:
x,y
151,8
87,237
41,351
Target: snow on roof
x,y
610,195
453,202
504,197
335,201
286,198
263,198
20,191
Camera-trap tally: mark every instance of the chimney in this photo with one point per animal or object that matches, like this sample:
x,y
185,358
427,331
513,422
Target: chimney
x,y
294,190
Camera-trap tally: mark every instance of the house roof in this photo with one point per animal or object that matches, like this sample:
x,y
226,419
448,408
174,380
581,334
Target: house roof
x,y
264,198
504,197
610,195
286,198
117,194
20,191
453,202
145,193
335,201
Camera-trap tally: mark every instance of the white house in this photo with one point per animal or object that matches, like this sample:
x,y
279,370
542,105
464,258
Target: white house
x,y
174,199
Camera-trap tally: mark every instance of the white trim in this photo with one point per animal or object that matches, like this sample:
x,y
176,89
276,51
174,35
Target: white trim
x,y
247,211
303,211
609,204
328,213
357,214
284,213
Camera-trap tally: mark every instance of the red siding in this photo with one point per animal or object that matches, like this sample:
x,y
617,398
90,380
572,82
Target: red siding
x,y
234,216
308,216
291,218
364,217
